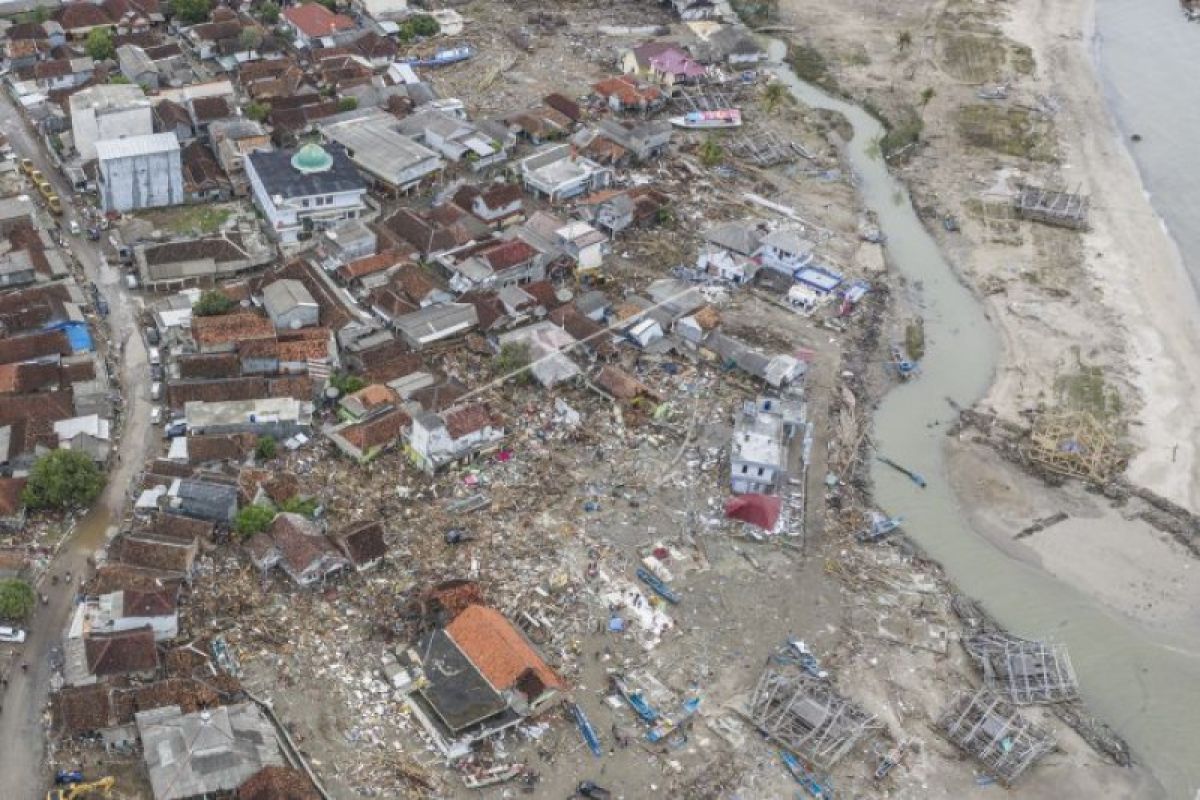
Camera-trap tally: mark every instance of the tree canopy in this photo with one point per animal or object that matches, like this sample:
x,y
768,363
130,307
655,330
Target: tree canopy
x,y
99,44
252,519
63,479
191,12
266,447
212,304
16,600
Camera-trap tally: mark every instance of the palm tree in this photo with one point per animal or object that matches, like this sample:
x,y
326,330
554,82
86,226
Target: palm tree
x,y
904,40
927,94
774,95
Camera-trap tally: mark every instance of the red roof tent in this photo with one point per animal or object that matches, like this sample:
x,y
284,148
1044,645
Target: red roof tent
x,y
757,509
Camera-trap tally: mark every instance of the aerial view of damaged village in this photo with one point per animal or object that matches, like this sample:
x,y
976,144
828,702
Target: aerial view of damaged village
x,y
633,399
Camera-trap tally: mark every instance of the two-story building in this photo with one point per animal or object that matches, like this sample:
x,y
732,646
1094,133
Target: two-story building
x,y
438,439
306,190
758,453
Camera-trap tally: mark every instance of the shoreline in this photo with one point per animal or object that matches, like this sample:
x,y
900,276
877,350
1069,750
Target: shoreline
x,y
1158,308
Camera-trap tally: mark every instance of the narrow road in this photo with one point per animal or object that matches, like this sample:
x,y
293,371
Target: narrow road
x,y
22,756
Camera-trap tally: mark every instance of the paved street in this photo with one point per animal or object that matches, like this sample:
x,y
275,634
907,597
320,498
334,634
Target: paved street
x,y
21,723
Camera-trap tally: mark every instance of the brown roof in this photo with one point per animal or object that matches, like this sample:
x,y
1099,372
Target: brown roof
x,y
544,293
208,365
620,384
298,387
10,495
378,431
159,603
583,328
363,543
218,248
189,694
497,649
303,350
201,170
440,396
34,345
176,526
315,20
563,105
277,783
258,348
298,539
248,388
375,394
121,653
230,447
42,407
29,377
170,114
468,419
152,553
369,265
83,709
231,328
423,235
206,109
507,254
80,371
499,195
116,577
82,15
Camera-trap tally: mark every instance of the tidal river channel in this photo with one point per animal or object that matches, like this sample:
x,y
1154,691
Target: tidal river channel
x,y
1146,684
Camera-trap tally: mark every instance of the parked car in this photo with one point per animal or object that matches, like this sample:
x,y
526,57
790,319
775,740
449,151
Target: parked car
x,y
8,634
74,227
54,204
151,335
27,167
131,280
156,415
155,356
156,390
175,430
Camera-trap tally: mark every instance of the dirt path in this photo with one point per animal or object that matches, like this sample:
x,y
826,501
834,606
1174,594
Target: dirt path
x,y
21,723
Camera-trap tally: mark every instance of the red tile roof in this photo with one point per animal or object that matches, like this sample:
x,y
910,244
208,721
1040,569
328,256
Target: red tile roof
x,y
377,431
363,542
36,345
121,653
468,419
315,20
231,328
507,254
497,649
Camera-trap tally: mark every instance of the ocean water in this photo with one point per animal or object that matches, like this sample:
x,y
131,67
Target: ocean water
x,y
1149,64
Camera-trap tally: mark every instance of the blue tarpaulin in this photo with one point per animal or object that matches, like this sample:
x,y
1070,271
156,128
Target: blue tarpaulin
x,y
78,335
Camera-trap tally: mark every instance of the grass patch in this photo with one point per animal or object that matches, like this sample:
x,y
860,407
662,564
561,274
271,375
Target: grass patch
x,y
810,65
1007,130
1020,58
1087,390
905,130
189,220
974,59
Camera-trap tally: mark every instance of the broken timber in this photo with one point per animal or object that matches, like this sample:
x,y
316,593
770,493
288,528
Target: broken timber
x,y
805,715
988,728
1063,209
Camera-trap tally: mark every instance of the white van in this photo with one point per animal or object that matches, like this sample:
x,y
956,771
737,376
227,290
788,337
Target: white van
x,y
156,390
155,356
11,634
156,415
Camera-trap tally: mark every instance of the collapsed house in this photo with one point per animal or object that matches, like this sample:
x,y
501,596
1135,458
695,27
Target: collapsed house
x,y
989,729
1022,670
805,715
480,676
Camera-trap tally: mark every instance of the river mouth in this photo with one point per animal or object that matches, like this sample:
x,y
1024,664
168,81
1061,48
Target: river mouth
x,y
1145,683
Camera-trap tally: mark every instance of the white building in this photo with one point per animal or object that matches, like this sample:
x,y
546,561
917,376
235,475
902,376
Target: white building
x,y
558,173
307,190
758,453
108,111
453,137
289,305
373,141
126,611
140,172
460,434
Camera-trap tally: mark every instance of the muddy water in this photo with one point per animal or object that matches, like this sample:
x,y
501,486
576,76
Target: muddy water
x,y
1145,684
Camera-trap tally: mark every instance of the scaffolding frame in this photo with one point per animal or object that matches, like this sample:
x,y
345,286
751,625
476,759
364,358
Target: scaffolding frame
x,y
1063,209
988,728
805,715
704,98
1077,445
1023,670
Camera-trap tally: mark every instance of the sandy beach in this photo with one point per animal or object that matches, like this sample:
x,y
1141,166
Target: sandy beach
x,y
1135,264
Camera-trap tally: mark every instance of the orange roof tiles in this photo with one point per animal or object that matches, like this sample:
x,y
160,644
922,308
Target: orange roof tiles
x,y
497,649
231,328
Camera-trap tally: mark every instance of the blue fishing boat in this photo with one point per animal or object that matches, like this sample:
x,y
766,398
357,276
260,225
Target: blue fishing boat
x,y
586,730
805,777
658,585
671,724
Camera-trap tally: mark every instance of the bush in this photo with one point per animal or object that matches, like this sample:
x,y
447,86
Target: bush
x,y
346,384
711,152
808,63
63,479
191,12
513,361
297,505
268,12
99,44
257,111
16,600
212,304
347,104
424,25
251,520
265,449
902,133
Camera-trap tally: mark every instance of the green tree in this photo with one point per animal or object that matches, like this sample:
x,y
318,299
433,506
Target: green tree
x,y
212,304
191,12
250,38
346,383
268,12
257,111
16,600
99,44
711,152
117,78
904,40
252,519
513,361
63,479
297,505
424,25
927,94
266,448
774,95
347,104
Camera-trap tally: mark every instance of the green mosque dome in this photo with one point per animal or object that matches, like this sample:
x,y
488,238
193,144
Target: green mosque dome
x,y
312,158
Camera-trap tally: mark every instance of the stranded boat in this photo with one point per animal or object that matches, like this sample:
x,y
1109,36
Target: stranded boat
x,y
720,118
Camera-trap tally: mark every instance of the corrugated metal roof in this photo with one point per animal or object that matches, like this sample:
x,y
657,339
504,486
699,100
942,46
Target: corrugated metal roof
x,y
130,146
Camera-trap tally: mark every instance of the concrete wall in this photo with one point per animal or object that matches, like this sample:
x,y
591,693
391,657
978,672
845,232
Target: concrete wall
x,y
142,181
88,128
